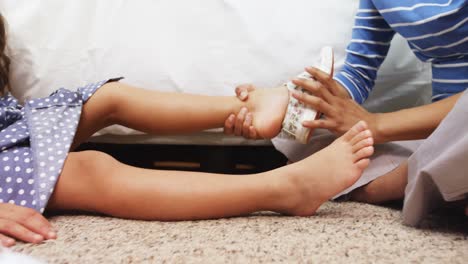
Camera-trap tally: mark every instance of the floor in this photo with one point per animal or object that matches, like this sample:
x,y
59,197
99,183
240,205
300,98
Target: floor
x,y
340,232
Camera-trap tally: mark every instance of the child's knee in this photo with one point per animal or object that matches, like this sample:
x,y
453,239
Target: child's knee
x,y
91,163
113,96
86,174
102,107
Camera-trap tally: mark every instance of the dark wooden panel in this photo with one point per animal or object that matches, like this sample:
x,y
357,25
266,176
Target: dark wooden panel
x,y
218,159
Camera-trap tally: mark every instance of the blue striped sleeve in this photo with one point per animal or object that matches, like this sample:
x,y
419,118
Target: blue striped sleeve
x,y
367,50
449,78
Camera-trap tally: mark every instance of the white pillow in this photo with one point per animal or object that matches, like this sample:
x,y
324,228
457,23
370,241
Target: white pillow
x,y
186,46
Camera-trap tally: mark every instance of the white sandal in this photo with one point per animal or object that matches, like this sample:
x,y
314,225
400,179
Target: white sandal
x,y
298,112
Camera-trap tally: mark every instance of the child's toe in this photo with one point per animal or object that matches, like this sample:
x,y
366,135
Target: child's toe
x,y
366,142
363,153
363,164
355,130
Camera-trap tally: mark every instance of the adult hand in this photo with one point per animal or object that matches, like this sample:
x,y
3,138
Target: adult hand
x,y
241,124
327,81
332,100
17,222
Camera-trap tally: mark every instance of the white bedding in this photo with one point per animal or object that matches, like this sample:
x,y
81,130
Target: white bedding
x,y
205,47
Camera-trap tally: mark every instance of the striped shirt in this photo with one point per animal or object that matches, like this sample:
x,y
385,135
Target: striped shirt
x,y
436,31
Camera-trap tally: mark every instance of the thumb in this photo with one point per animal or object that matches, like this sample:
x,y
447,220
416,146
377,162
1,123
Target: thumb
x,y
242,91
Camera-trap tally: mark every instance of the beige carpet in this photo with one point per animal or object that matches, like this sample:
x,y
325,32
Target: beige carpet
x,y
340,232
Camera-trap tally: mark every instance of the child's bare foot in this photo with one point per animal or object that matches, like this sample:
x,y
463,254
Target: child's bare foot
x,y
268,107
321,176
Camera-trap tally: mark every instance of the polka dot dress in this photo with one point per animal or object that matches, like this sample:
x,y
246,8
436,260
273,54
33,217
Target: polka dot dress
x,y
34,142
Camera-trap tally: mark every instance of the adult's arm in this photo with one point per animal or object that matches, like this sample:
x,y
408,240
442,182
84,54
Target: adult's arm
x,y
368,48
342,113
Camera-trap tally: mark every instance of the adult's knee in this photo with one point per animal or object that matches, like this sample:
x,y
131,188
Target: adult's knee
x,y
365,194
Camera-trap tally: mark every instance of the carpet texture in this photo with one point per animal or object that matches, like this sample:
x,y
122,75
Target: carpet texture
x,y
340,232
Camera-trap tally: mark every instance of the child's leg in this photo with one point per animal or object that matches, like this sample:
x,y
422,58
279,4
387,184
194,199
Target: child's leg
x,y
168,113
93,181
388,187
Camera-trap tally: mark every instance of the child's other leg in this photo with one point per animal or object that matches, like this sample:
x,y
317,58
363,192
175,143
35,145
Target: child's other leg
x,y
168,113
93,181
388,187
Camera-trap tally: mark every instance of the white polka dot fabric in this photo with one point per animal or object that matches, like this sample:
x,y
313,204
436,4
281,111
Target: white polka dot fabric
x,y
34,142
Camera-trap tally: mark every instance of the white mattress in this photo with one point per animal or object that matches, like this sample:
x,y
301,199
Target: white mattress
x,y
185,46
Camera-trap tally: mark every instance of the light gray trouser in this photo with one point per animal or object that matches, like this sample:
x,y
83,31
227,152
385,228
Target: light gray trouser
x,y
438,170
